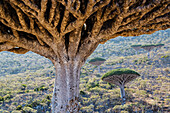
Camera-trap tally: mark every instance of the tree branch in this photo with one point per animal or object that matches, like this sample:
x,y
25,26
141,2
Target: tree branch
x,y
18,50
32,45
139,18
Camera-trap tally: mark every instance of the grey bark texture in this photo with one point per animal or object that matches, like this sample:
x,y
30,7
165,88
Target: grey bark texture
x,y
67,31
122,92
66,88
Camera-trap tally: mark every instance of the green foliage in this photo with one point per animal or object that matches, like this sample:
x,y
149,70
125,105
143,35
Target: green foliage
x,y
149,45
41,88
8,96
97,59
166,56
119,72
1,98
141,60
16,111
29,110
27,91
19,107
136,45
48,97
23,86
159,44
92,84
82,93
37,89
35,103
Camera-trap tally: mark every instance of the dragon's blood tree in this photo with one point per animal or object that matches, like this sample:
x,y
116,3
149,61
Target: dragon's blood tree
x,y
68,31
148,48
158,46
120,77
97,61
136,47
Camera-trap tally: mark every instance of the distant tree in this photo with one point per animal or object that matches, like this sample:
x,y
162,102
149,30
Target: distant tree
x,y
68,31
148,48
97,61
158,46
136,47
120,77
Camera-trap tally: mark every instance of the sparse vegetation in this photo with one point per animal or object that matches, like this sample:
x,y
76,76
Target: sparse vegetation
x,y
148,93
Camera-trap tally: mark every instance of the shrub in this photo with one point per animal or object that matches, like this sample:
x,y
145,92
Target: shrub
x,y
36,89
6,97
41,88
48,97
23,86
1,98
82,93
19,107
16,111
35,103
27,91
29,110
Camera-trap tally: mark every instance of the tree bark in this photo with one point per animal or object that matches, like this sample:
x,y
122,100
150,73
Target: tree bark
x,y
99,69
66,87
149,54
122,91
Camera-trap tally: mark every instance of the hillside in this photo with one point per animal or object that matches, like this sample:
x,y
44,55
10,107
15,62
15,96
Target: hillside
x,y
26,81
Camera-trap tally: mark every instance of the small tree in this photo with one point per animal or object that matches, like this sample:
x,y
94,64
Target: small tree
x,y
148,48
159,45
97,61
120,77
136,47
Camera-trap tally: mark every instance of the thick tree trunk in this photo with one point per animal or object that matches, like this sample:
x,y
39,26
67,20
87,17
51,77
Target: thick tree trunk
x,y
122,91
66,87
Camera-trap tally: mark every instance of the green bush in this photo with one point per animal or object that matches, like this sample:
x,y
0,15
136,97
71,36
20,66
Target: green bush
x,y
41,88
29,110
92,85
37,89
1,98
16,111
19,107
28,105
23,86
27,91
8,96
35,103
82,93
166,56
48,97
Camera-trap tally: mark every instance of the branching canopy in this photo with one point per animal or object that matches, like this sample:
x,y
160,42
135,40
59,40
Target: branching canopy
x,y
136,45
68,28
148,47
120,76
97,61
